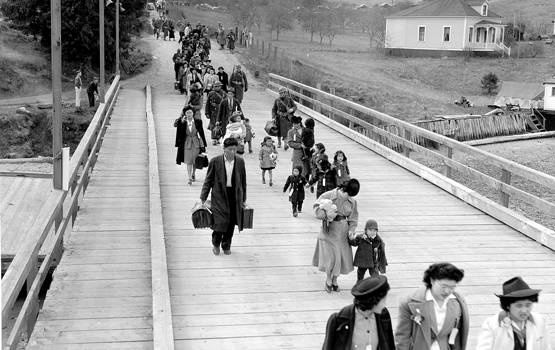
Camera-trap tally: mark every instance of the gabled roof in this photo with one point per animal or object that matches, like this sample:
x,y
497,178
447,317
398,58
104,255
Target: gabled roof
x,y
442,8
489,22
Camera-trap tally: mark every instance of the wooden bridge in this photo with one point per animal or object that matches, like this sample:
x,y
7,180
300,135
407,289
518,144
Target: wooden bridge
x,y
135,274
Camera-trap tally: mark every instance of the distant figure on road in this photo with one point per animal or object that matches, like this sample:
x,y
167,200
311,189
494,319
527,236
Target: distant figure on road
x,y
221,36
231,40
78,88
226,178
238,81
282,111
92,90
516,327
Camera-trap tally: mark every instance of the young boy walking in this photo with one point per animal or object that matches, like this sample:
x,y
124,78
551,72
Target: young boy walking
x,y
295,184
370,253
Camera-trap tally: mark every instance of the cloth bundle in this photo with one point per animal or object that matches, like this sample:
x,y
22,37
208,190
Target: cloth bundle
x,y
331,212
202,215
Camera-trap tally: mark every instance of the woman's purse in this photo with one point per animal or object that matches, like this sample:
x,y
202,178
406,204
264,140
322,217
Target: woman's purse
x,y
271,128
202,215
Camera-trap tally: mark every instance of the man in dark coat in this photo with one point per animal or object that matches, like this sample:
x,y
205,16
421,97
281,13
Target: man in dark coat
x,y
212,107
223,78
282,112
227,107
238,81
366,324
226,177
91,90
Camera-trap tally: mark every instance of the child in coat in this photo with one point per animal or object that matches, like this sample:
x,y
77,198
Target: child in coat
x,y
325,176
370,253
296,193
307,138
341,167
250,134
268,157
318,153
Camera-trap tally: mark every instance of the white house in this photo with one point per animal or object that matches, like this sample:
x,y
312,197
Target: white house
x,y
445,28
549,95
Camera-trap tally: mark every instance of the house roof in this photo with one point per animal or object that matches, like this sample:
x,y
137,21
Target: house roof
x,y
475,2
525,95
550,81
442,8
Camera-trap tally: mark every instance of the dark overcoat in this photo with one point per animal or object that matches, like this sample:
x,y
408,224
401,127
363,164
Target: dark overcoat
x,y
364,256
297,183
181,135
215,181
222,77
339,331
212,106
225,110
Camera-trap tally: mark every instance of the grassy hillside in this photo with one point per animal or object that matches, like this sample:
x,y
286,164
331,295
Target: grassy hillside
x,y
529,10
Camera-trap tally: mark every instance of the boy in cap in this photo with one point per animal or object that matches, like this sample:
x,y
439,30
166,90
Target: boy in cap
x,y
370,253
365,324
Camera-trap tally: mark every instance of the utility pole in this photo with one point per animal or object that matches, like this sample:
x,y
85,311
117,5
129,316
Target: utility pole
x,y
117,37
56,47
102,73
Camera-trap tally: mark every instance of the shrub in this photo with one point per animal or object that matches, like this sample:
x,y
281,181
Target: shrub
x,y
489,83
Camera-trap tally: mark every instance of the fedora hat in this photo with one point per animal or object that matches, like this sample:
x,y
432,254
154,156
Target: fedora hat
x,y
517,288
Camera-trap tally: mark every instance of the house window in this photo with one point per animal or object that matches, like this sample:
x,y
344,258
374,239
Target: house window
x,y
470,34
553,91
484,10
446,34
421,33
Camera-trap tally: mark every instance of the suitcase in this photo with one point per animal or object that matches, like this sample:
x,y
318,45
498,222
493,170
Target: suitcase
x,y
248,215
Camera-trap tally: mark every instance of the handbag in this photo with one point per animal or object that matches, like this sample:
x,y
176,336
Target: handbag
x,y
217,132
241,148
201,161
201,215
271,128
247,216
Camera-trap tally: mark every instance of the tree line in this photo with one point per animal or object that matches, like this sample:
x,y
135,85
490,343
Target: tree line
x,y
80,26
319,18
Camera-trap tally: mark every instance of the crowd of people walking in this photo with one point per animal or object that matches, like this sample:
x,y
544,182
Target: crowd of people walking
x,y
432,317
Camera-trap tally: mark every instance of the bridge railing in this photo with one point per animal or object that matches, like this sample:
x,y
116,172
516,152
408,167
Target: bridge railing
x,y
380,136
54,219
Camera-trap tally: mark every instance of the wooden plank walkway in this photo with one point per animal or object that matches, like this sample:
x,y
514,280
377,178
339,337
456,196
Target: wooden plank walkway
x,y
101,297
266,294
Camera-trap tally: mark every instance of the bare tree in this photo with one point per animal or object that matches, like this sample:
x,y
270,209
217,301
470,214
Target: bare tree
x,y
308,19
258,17
279,18
372,22
344,14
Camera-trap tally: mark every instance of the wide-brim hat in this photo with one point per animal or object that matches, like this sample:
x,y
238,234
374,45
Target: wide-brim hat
x,y
231,90
217,84
370,286
282,89
296,119
517,288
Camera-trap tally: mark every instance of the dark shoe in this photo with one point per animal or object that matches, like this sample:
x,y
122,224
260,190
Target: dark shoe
x,y
271,183
193,178
328,288
250,150
190,182
299,210
216,250
285,148
295,214
335,288
227,252
214,143
312,190
279,145
263,181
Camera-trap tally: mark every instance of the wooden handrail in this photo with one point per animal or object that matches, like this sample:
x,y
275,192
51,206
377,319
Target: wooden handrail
x,y
405,140
514,168
23,267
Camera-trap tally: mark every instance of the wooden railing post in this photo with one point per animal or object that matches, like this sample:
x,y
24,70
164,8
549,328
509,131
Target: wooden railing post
x,y
406,149
332,103
275,53
35,307
269,49
449,154
256,46
317,107
505,178
263,48
351,124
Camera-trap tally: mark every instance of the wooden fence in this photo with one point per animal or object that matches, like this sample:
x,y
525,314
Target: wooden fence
x,y
55,218
329,109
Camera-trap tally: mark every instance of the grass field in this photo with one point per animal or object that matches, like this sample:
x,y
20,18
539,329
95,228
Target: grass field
x,y
410,89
